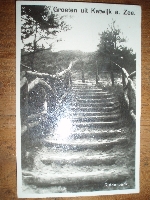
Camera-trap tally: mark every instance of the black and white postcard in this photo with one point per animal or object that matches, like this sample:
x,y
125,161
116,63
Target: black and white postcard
x,y
78,69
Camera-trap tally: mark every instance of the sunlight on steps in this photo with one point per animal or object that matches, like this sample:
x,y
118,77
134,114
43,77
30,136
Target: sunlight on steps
x,y
87,151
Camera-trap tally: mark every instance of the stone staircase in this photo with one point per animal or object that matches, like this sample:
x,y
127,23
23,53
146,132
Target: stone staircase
x,y
87,151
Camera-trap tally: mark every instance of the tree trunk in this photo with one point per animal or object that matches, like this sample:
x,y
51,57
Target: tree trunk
x,y
97,78
111,73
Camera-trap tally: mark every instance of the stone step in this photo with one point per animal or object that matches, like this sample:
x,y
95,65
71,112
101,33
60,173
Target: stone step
x,y
66,145
83,87
83,84
99,100
96,113
93,109
90,92
94,89
95,104
97,133
95,96
80,160
99,124
115,175
78,118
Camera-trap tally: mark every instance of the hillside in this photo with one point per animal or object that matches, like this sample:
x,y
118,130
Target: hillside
x,y
47,61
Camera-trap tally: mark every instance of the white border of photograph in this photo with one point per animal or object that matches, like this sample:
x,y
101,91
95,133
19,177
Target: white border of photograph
x,y
134,41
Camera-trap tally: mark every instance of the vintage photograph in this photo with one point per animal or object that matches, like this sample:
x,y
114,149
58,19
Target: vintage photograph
x,y
78,98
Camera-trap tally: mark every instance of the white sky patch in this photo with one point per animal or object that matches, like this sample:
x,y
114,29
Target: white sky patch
x,y
84,34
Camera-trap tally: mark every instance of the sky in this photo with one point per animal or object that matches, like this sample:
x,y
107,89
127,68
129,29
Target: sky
x,y
84,34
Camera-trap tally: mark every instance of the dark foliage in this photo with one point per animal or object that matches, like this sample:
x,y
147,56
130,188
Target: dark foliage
x,y
112,49
39,21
